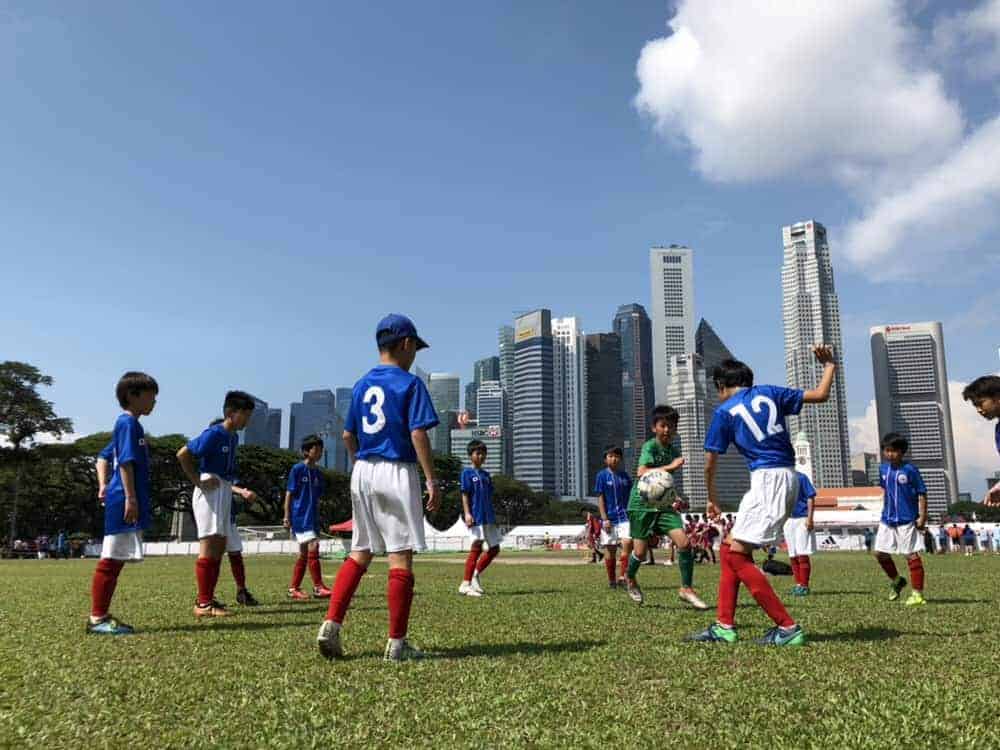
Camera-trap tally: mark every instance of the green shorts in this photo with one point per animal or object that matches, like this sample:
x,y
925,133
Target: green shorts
x,y
646,523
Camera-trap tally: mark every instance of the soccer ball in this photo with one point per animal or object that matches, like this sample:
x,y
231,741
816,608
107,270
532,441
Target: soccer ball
x,y
656,488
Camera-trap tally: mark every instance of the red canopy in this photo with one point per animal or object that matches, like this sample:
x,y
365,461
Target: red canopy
x,y
346,527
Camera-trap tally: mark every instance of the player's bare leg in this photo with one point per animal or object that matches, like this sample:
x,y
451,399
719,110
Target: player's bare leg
x,y
685,561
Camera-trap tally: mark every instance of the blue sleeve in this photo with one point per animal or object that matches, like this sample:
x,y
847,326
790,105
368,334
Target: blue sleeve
x,y
806,487
598,484
202,444
420,411
126,440
466,481
351,422
108,451
918,481
790,399
293,479
720,433
881,476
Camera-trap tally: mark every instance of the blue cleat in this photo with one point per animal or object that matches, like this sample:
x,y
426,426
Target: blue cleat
x,y
714,633
108,625
794,636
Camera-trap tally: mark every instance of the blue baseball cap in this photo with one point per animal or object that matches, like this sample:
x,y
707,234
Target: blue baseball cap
x,y
395,327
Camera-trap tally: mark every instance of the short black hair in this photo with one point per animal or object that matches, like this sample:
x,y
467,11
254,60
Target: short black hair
x,y
134,383
731,373
475,445
612,449
988,386
668,413
309,441
895,441
217,420
237,401
392,346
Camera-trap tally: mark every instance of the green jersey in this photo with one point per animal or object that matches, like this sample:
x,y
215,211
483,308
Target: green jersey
x,y
653,455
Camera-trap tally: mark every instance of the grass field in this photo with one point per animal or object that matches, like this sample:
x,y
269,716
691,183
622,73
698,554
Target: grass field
x,y
550,657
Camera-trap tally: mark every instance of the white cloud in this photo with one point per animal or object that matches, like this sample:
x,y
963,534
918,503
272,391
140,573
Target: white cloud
x,y
864,431
771,88
46,438
973,37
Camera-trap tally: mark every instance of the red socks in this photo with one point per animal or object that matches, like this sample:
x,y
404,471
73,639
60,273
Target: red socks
x,y
888,566
314,568
298,573
399,592
796,572
623,566
470,561
729,588
239,572
486,559
805,570
609,565
916,573
344,586
753,578
206,573
102,587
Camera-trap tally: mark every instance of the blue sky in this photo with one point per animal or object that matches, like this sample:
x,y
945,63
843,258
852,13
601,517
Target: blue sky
x,y
232,196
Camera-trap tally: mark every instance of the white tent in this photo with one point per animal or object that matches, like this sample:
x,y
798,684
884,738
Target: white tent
x,y
450,540
527,537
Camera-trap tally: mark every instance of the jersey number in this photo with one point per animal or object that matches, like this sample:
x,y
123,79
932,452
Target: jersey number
x,y
773,428
374,397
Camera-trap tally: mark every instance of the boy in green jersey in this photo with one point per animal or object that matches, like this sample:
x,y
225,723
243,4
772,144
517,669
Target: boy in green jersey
x,y
646,521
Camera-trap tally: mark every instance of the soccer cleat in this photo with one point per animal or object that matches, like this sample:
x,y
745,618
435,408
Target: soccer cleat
x,y
915,599
328,640
399,649
476,585
108,625
714,633
612,585
214,608
244,597
464,588
688,595
794,636
321,592
298,595
635,593
669,562
895,587
799,590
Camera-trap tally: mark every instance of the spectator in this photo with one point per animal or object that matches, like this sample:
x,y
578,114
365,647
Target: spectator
x,y
984,539
955,535
62,545
968,540
928,540
869,539
942,539
996,539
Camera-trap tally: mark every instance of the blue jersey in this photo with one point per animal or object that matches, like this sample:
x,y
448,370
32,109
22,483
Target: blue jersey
x,y
306,483
754,419
996,436
806,491
215,449
615,487
478,485
108,451
386,405
902,486
128,443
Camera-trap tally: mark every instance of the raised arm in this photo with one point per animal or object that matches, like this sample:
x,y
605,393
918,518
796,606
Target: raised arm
x,y
821,393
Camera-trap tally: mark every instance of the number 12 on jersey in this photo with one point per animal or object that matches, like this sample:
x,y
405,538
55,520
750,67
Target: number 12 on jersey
x,y
773,428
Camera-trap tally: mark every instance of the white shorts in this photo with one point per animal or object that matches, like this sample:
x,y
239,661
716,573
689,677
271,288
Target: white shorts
x,y
619,533
234,543
764,507
899,540
304,537
125,546
799,539
387,507
211,510
488,533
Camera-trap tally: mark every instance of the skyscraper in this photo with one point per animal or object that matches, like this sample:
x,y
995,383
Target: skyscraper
x,y
604,425
633,327
811,315
533,412
710,348
491,436
570,400
911,398
343,400
505,345
484,369
274,428
334,451
260,428
490,405
671,271
687,392
310,415
444,388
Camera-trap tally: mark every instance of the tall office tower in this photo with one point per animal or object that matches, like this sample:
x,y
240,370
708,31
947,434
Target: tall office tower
x,y
505,345
444,388
671,272
710,348
484,369
257,431
604,425
491,436
274,428
864,469
634,329
569,369
469,402
310,415
811,315
334,451
911,397
344,396
688,394
440,436
534,411
489,402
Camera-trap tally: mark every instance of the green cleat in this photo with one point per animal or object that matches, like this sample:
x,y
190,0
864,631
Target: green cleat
x,y
108,625
714,633
916,599
895,587
794,636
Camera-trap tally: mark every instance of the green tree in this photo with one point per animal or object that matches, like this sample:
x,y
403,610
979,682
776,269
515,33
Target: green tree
x,y
513,500
985,513
24,414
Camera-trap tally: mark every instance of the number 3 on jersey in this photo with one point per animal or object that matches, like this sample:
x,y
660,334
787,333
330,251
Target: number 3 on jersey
x,y
374,398
773,428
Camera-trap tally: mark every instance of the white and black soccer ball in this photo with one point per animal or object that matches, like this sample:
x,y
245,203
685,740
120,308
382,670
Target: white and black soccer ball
x,y
656,488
